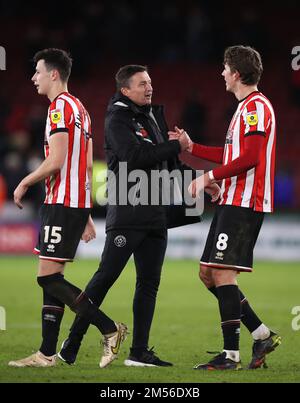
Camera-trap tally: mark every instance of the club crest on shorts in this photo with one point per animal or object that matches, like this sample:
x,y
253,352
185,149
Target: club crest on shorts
x,y
120,241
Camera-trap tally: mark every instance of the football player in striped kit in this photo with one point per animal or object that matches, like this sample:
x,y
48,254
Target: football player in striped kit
x,y
65,214
247,175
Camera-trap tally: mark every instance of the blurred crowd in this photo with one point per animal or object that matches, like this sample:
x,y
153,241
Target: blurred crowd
x,y
122,29
187,37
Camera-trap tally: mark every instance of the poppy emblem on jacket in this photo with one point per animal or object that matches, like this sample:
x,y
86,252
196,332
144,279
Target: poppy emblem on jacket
x,y
143,132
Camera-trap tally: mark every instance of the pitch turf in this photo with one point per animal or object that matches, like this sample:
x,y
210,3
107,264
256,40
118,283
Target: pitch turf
x,y
185,326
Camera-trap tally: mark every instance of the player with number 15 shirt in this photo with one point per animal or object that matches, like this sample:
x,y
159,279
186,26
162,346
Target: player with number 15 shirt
x,y
68,197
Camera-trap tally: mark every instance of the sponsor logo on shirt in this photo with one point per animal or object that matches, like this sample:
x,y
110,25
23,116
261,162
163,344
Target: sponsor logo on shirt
x,y
252,119
55,116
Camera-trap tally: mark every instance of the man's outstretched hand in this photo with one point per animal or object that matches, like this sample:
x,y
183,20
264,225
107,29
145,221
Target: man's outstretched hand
x,y
209,186
183,138
89,232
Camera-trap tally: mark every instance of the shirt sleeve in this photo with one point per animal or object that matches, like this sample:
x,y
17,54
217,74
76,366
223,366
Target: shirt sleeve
x,y
214,154
87,125
60,116
249,159
257,118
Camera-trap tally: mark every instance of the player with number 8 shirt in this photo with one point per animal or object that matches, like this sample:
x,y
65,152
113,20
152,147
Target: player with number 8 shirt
x,y
247,191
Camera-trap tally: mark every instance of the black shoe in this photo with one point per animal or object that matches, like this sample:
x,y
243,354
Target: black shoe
x,y
68,352
220,362
261,348
146,359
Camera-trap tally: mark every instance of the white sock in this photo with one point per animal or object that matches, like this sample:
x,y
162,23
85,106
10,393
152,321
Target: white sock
x,y
261,333
234,355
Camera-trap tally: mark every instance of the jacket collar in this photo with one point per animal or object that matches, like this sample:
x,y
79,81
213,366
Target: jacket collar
x,y
121,101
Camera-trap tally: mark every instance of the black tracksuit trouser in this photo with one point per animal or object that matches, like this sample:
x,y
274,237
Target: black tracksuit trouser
x,y
148,248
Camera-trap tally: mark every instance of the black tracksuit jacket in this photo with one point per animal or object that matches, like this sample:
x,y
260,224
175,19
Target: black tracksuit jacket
x,y
132,136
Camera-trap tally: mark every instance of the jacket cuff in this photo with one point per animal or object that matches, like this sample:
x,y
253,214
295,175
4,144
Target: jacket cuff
x,y
176,145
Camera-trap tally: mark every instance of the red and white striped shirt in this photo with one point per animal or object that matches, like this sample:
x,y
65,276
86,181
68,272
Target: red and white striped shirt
x,y
70,186
255,187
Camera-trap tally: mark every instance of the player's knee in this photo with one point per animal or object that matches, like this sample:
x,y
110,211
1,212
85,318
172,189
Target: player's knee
x,y
205,276
48,282
222,277
44,281
218,275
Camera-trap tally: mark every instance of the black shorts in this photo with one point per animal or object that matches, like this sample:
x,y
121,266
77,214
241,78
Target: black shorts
x,y
231,238
60,232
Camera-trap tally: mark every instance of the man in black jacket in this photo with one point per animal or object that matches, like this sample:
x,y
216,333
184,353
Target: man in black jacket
x,y
135,138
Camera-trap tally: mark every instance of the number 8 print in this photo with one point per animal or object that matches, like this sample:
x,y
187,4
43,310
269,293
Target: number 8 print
x,y
222,241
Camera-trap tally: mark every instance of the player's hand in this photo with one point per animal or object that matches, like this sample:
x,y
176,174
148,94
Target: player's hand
x,y
183,138
214,191
198,184
174,135
19,193
89,232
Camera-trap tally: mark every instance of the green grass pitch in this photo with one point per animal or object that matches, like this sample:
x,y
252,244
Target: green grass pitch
x,y
185,326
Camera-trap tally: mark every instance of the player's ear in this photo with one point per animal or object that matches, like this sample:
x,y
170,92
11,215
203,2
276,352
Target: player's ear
x,y
237,75
54,74
125,91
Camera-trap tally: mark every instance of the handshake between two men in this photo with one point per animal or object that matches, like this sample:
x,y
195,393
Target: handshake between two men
x,y
203,181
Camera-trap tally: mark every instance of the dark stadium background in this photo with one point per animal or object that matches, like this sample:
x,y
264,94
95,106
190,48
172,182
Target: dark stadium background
x,y
182,42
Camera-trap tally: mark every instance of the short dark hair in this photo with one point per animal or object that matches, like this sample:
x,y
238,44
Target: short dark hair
x,y
245,60
56,59
125,73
